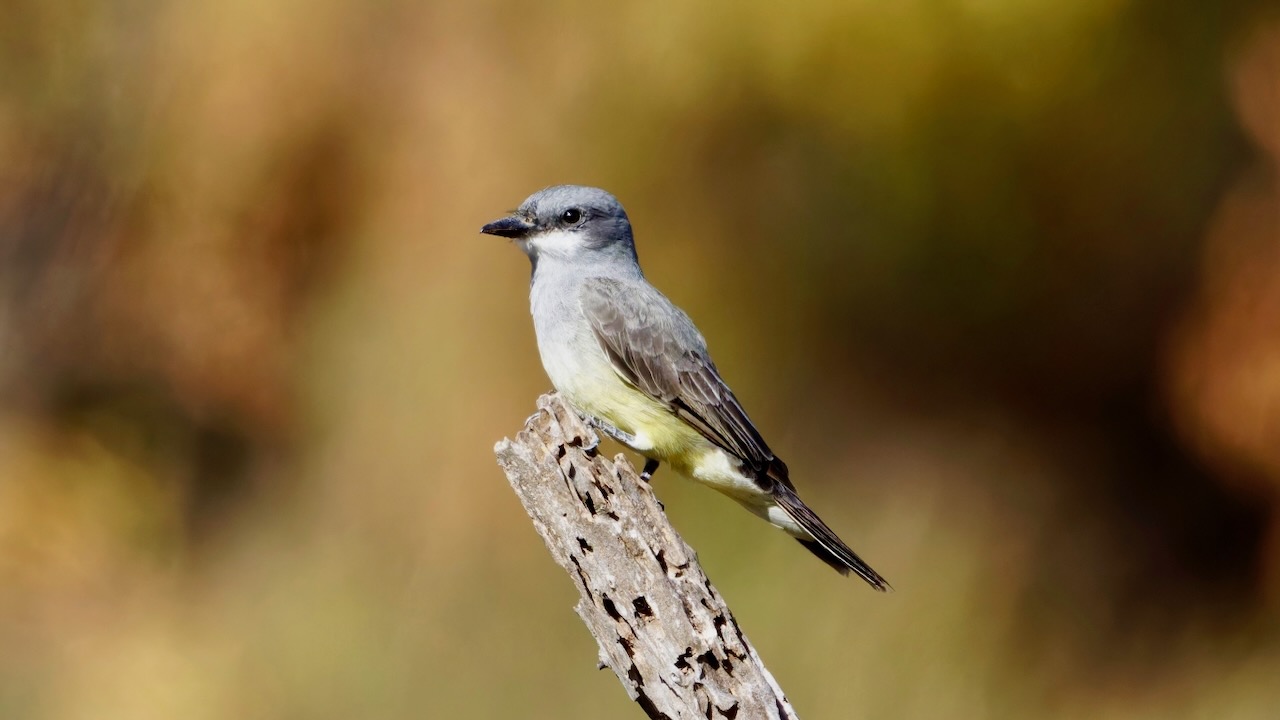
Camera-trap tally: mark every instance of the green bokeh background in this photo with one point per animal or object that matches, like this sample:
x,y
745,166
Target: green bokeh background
x,y
998,280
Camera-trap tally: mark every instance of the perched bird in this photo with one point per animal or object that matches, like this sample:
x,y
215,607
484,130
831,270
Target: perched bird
x,y
635,366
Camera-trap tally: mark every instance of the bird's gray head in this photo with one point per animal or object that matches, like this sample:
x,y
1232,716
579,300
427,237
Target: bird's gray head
x,y
570,223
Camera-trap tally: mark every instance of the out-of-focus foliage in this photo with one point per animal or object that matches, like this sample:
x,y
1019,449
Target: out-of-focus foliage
x,y
1000,280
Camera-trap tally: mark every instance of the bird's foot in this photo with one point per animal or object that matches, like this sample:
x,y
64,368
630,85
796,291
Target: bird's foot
x,y
650,467
605,428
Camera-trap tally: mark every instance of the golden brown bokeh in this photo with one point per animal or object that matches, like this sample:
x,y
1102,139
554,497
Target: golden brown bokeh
x,y
999,280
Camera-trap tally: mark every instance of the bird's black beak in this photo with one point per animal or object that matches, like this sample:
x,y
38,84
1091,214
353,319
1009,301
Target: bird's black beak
x,y
514,226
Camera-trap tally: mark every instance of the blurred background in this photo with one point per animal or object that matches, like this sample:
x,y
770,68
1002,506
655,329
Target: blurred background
x,y
999,280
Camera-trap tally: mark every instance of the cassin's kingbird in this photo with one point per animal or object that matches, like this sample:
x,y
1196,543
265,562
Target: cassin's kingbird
x,y
637,368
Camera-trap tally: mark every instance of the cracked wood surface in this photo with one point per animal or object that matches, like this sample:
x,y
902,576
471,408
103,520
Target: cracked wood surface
x,y
660,624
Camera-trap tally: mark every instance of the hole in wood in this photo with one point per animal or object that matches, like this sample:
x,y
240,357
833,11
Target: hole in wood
x,y
682,662
610,608
709,659
641,605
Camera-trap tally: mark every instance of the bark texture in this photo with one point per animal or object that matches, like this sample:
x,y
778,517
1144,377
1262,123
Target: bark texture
x,y
660,624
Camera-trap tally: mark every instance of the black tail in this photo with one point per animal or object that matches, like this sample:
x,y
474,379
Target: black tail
x,y
825,543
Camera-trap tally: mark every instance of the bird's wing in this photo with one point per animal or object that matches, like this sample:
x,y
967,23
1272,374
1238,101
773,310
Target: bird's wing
x,y
655,347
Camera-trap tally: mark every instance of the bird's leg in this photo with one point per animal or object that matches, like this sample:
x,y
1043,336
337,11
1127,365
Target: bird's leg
x,y
591,422
626,438
650,467
605,428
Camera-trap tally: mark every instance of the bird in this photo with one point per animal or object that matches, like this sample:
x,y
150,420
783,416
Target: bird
x,y
637,369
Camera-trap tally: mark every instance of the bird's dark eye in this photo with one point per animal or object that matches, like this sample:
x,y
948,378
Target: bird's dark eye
x,y
571,216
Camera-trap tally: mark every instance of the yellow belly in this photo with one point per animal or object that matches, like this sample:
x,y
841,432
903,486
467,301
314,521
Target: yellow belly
x,y
663,436
659,433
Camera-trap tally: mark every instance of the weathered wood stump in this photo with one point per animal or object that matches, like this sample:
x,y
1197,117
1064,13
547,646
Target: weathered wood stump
x,y
660,624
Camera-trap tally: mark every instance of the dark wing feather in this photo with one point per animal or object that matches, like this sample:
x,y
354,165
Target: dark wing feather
x,y
654,346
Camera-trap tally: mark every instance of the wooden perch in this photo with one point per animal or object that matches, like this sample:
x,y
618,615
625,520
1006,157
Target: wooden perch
x,y
661,626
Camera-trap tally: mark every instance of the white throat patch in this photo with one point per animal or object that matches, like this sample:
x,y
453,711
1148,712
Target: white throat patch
x,y
558,243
